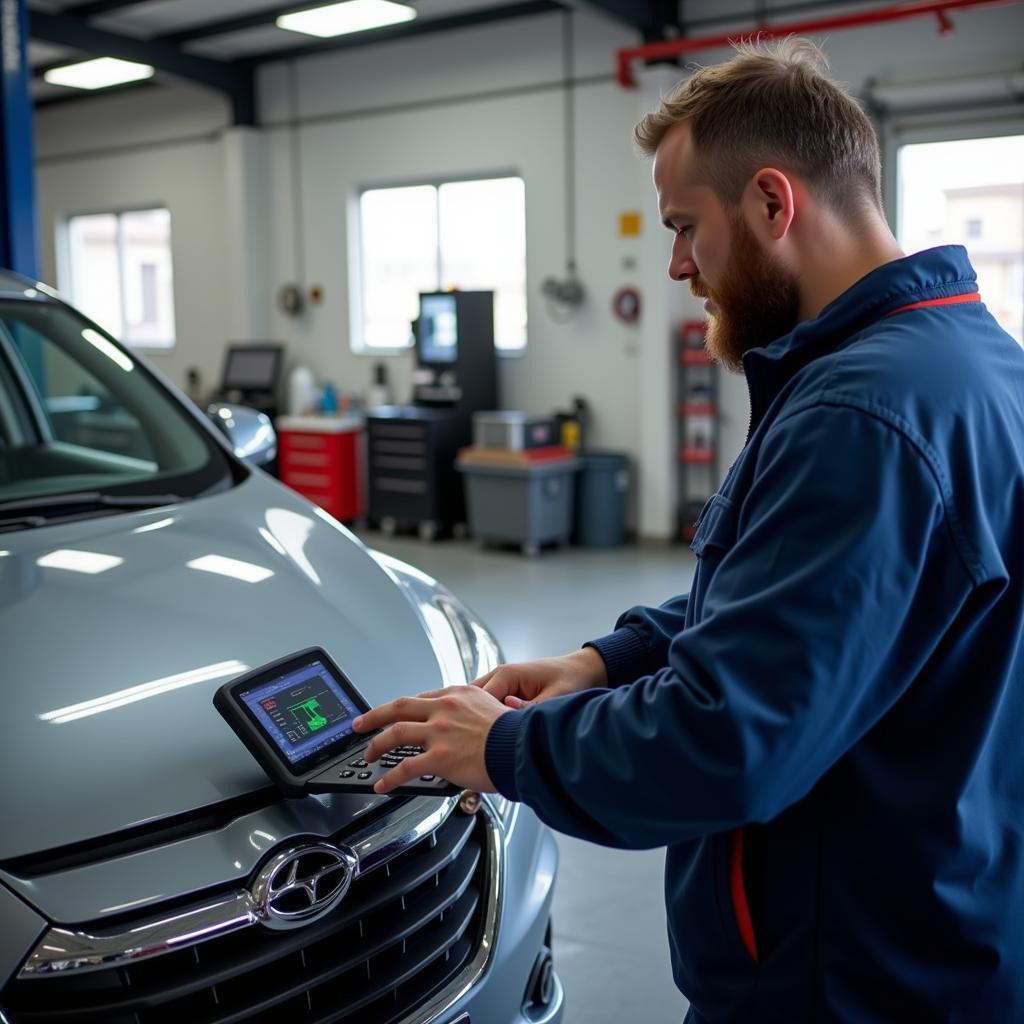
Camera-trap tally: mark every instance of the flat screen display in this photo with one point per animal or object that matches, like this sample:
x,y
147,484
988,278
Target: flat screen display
x,y
438,329
302,712
251,369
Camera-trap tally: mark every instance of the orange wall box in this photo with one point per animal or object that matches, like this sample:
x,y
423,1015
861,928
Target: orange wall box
x,y
319,456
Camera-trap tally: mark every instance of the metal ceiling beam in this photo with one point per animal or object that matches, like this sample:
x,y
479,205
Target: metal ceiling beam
x,y
94,8
648,17
235,80
407,30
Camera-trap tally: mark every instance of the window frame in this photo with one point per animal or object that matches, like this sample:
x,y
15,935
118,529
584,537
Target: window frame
x,y
357,345
65,274
898,130
962,125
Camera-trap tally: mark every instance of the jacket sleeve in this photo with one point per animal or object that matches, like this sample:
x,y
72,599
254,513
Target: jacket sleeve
x,y
840,579
639,645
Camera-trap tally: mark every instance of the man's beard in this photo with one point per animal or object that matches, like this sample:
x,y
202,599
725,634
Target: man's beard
x,y
757,301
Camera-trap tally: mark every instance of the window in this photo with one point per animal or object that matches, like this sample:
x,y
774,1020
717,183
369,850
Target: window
x,y
970,192
119,269
469,235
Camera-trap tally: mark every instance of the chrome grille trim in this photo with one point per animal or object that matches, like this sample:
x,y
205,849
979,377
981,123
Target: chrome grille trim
x,y
64,951
471,974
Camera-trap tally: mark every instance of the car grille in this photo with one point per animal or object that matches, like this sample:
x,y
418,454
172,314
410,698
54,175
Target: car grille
x,y
402,933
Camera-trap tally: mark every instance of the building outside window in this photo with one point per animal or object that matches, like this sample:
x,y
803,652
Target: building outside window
x,y
970,192
119,273
469,235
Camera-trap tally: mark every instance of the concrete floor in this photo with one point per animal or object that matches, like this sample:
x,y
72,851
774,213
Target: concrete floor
x,y
610,948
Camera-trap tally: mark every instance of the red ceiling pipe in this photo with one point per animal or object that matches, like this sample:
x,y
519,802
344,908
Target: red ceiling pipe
x,y
898,12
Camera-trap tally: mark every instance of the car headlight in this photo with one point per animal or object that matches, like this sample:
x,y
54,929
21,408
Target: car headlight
x,y
464,646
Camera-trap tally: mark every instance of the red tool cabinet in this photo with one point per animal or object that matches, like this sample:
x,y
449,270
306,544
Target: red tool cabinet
x,y
320,457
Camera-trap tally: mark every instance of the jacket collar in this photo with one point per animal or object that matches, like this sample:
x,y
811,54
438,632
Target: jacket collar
x,y
931,274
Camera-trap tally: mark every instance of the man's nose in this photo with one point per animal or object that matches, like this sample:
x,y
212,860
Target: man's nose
x,y
681,266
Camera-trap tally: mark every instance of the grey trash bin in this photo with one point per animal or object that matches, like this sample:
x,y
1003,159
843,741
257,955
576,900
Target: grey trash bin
x,y
524,505
602,497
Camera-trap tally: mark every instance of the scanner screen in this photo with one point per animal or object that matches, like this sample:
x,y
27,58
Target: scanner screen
x,y
302,711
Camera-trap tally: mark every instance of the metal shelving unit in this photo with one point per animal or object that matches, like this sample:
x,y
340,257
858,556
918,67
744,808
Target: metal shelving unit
x,y
697,425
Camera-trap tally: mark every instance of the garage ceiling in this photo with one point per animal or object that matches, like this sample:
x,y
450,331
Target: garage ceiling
x,y
219,42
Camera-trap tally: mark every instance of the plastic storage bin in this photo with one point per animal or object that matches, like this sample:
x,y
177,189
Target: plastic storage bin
x,y
524,505
602,497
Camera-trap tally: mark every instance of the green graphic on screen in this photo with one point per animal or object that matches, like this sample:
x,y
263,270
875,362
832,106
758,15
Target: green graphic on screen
x,y
305,709
310,711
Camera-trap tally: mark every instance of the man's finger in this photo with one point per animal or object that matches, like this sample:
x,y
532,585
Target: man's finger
x,y
405,709
515,702
411,768
401,734
486,677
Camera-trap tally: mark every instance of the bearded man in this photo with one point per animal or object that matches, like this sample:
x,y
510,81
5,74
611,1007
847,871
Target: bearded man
x,y
826,732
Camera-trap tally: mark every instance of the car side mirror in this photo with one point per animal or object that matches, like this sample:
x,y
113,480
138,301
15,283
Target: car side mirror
x,y
250,433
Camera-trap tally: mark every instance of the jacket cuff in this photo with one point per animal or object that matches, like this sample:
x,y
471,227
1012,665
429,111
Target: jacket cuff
x,y
623,651
500,753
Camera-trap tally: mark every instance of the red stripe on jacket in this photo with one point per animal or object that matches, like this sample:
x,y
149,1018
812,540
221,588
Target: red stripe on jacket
x,y
949,300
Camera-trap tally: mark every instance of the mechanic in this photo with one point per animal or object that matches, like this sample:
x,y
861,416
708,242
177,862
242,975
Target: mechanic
x,y
827,732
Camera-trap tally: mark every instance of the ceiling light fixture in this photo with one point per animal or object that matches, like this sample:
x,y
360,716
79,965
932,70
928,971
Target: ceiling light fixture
x,y
349,16
101,73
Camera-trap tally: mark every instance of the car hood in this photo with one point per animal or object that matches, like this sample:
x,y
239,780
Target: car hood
x,y
116,631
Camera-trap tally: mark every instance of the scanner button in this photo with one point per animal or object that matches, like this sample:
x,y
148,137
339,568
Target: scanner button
x,y
346,774
390,762
428,778
358,764
365,775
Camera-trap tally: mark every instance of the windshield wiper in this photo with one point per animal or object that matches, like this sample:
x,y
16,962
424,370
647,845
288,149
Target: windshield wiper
x,y
36,511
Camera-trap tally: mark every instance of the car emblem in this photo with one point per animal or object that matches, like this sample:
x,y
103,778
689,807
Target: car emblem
x,y
302,883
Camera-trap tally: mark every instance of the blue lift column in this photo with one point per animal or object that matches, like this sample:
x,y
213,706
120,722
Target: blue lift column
x,y
19,240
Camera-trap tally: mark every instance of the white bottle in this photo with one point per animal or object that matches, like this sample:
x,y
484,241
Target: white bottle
x,y
302,391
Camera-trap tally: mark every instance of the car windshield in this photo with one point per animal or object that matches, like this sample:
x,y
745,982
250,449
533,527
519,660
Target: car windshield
x,y
85,428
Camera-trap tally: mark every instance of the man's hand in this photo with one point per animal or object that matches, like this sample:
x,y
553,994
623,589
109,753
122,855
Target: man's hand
x,y
450,724
534,681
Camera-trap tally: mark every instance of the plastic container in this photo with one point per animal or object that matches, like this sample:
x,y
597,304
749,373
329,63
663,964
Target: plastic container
x,y
303,394
602,499
524,505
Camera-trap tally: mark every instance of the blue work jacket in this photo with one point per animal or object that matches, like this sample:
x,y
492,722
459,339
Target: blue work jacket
x,y
828,733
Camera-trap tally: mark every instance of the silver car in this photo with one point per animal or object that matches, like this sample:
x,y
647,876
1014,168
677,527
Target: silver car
x,y
148,871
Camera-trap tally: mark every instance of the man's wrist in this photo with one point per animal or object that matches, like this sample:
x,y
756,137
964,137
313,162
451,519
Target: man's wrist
x,y
589,659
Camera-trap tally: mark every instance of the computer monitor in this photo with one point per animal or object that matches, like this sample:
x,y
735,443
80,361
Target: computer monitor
x,y
249,368
437,331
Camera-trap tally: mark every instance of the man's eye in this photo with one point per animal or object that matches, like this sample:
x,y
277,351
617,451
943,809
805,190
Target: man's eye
x,y
685,230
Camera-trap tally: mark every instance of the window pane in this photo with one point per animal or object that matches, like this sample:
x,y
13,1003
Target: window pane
x,y
483,247
148,278
399,260
971,192
95,278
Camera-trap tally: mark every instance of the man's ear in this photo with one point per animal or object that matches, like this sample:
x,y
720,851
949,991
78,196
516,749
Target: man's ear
x,y
769,202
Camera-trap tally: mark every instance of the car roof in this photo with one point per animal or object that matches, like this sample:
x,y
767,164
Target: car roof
x,y
10,282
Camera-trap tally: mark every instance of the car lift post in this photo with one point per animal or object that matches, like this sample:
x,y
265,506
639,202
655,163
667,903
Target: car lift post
x,y
19,242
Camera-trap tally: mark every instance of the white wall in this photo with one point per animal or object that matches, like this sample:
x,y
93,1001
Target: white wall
x,y
479,100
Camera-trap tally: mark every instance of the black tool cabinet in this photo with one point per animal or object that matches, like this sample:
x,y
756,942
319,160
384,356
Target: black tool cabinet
x,y
413,482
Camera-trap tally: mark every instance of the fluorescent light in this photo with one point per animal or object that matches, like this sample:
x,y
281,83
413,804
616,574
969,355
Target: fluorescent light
x,y
120,698
100,73
110,351
237,570
350,16
90,562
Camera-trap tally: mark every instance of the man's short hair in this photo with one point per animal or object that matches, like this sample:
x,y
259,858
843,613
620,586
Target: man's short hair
x,y
773,105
